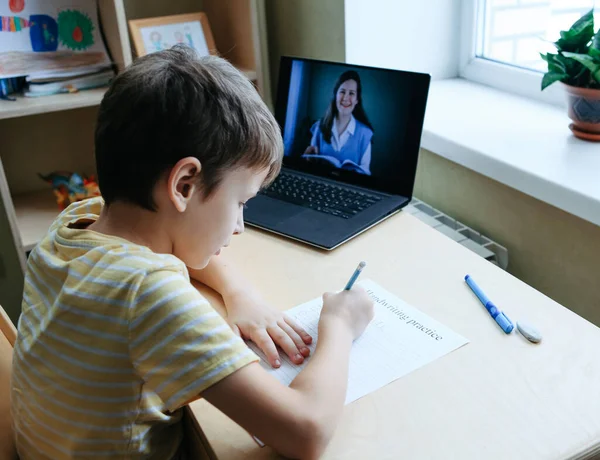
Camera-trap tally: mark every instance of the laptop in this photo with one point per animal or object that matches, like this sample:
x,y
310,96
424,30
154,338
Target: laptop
x,y
351,137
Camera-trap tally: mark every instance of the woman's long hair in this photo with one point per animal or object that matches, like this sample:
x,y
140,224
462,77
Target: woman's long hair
x,y
359,112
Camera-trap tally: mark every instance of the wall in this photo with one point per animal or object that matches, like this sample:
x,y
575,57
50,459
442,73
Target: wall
x,y
135,9
306,28
551,250
421,36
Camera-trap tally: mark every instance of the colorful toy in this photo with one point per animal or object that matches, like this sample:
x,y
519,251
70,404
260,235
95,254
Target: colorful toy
x,y
70,187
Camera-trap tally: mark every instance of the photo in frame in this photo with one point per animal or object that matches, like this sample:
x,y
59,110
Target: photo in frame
x,y
155,34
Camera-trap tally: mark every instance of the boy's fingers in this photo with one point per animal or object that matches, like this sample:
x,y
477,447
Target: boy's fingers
x,y
262,339
302,348
306,338
281,338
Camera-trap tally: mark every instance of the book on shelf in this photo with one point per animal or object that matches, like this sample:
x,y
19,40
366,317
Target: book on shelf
x,y
46,87
44,77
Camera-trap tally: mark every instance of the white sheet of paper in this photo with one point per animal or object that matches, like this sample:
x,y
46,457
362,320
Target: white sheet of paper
x,y
399,340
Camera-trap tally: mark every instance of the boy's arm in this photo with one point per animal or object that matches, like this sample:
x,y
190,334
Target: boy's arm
x,y
297,421
181,348
250,316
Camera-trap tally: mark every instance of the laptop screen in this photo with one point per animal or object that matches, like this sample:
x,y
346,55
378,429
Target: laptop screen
x,y
356,124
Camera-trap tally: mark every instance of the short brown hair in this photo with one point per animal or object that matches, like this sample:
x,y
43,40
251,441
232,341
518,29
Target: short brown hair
x,y
172,104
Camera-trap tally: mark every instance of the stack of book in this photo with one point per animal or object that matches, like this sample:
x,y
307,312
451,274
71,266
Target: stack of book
x,y
49,84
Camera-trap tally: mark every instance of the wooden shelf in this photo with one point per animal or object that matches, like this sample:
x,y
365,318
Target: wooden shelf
x,y
35,105
24,106
35,213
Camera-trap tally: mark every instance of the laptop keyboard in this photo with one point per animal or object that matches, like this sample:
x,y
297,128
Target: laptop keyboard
x,y
319,195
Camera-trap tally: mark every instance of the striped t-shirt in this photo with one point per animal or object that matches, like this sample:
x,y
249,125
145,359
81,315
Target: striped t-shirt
x,y
113,341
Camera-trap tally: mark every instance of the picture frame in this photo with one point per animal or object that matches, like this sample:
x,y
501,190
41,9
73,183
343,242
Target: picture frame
x,y
154,34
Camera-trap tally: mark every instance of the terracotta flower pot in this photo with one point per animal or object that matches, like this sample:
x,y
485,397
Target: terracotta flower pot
x,y
584,110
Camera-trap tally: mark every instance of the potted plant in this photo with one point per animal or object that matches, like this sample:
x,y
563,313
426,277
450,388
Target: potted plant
x,y
577,66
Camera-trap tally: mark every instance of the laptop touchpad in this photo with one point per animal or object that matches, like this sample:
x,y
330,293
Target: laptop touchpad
x,y
267,211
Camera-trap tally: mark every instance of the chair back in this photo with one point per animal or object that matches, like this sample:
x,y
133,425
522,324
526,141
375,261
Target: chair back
x,y
8,450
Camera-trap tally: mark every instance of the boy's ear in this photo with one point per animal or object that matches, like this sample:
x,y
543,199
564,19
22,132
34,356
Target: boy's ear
x,y
183,182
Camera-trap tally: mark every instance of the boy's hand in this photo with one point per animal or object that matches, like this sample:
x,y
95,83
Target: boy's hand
x,y
250,317
354,307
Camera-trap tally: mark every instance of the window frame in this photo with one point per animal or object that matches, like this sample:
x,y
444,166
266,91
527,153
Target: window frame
x,y
511,79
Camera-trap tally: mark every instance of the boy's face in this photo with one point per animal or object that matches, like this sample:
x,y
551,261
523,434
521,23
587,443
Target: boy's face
x,y
207,225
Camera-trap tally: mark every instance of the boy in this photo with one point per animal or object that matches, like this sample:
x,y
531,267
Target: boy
x,y
113,338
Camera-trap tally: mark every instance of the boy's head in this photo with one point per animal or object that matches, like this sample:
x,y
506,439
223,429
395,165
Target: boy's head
x,y
190,139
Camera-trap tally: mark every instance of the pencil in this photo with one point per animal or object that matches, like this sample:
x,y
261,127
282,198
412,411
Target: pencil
x,y
355,275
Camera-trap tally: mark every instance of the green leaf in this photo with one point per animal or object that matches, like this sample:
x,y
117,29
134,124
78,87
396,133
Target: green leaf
x,y
595,48
588,62
578,74
552,77
555,63
576,39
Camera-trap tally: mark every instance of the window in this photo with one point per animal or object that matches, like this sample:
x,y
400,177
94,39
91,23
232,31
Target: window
x,y
503,39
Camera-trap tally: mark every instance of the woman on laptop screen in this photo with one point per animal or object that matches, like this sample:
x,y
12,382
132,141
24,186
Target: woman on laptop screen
x,y
343,136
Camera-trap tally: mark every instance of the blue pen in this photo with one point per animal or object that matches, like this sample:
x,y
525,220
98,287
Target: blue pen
x,y
354,276
502,320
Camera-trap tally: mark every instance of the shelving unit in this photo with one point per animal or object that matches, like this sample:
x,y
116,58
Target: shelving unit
x,y
30,207
33,106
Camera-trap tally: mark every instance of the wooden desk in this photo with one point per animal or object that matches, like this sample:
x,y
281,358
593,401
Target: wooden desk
x,y
498,397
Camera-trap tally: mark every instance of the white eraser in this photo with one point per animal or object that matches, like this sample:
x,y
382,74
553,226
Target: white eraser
x,y
529,332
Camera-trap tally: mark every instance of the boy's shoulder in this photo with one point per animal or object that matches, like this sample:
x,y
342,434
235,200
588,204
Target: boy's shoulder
x,y
90,208
71,250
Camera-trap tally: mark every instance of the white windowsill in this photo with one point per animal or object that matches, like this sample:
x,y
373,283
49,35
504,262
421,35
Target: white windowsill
x,y
521,143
